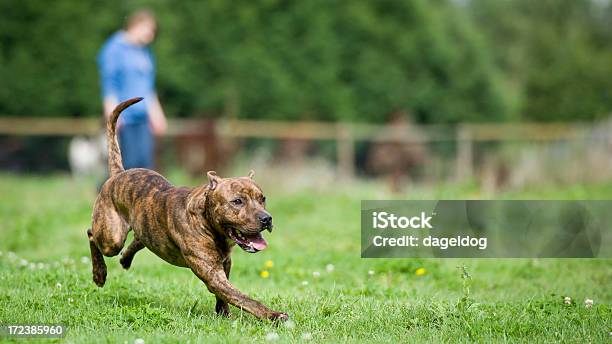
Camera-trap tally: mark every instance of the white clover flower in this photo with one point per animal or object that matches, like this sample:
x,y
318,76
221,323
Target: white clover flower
x,y
32,266
272,336
58,285
70,300
307,336
588,303
329,268
85,260
304,282
139,341
316,274
289,324
40,266
567,300
371,272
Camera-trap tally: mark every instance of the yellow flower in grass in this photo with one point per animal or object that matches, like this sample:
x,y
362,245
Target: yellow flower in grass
x,y
420,271
264,274
269,264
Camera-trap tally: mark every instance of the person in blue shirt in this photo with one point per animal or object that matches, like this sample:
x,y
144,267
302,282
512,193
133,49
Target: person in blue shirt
x,y
127,70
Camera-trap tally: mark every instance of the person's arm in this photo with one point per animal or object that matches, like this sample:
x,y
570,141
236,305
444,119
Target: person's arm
x,y
157,118
108,65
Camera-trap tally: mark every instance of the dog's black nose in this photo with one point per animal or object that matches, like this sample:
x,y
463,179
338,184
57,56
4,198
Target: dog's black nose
x,y
265,219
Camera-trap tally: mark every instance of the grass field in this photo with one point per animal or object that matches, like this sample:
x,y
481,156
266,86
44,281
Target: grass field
x,y
45,277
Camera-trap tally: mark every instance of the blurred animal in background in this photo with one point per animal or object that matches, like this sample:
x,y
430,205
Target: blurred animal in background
x,y
202,149
87,155
495,173
395,160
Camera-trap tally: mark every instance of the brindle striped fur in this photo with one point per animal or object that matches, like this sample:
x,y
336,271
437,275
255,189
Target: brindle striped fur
x,y
184,226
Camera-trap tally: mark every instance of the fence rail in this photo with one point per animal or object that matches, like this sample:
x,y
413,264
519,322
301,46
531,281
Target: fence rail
x,y
64,126
345,134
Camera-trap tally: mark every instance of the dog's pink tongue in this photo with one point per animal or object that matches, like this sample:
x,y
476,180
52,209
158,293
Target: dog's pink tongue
x,y
259,243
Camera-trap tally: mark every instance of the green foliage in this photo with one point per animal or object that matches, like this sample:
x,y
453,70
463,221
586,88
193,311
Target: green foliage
x,y
319,59
556,55
442,61
47,56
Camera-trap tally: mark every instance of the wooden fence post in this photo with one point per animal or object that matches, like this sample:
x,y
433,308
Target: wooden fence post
x,y
465,155
345,149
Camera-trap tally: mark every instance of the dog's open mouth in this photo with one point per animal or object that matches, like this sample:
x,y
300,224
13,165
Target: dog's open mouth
x,y
249,242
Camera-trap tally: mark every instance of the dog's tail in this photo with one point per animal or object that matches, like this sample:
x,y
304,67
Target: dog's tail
x,y
115,164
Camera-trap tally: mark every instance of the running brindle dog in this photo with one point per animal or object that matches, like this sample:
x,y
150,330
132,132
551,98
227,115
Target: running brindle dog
x,y
187,227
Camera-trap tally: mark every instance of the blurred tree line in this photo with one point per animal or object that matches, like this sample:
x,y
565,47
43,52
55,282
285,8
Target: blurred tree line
x,y
442,61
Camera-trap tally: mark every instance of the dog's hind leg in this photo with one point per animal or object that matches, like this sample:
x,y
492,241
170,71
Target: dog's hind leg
x,y
109,229
106,237
97,261
128,254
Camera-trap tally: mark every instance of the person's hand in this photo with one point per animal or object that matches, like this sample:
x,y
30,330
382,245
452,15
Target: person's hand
x,y
159,126
157,118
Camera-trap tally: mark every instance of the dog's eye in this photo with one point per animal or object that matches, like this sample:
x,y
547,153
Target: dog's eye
x,y
237,201
263,199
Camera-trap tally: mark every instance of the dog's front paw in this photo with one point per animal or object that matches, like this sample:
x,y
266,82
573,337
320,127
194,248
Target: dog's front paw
x,y
278,316
222,308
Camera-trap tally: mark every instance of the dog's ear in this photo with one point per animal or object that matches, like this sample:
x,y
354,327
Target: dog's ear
x,y
213,179
251,174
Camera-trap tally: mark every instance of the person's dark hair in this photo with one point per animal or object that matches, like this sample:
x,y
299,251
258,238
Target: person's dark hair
x,y
139,16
